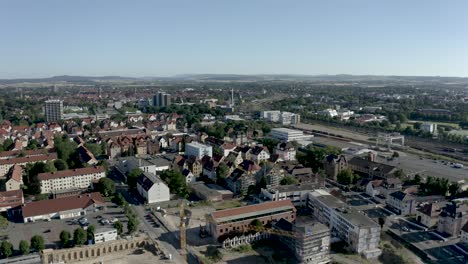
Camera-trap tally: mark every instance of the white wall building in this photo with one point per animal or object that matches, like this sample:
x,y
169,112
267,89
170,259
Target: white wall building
x,y
198,150
286,134
70,179
328,113
152,188
105,234
429,127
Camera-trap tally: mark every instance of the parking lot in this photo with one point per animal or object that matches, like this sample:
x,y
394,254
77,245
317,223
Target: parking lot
x,y
448,254
50,230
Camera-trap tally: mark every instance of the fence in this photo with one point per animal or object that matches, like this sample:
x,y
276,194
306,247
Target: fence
x,y
244,239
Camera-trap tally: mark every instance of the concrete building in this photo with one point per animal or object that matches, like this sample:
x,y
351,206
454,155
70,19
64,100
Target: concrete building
x,y
151,165
357,230
285,151
328,113
429,127
403,203
104,235
53,110
152,188
70,179
162,99
198,150
62,208
428,214
7,164
286,134
298,194
333,165
237,220
14,178
311,243
453,217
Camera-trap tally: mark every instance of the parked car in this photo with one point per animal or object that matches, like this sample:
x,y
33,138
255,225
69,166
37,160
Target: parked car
x,y
114,220
104,221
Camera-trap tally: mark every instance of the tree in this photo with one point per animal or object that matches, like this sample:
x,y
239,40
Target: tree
x,y
79,236
133,176
65,237
345,177
119,199
132,224
24,247
395,154
176,182
454,189
90,232
37,243
289,180
222,170
60,165
256,223
417,179
49,167
106,186
381,222
6,248
119,226
3,222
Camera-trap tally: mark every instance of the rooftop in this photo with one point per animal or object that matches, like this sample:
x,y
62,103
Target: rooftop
x,y
70,173
51,156
243,212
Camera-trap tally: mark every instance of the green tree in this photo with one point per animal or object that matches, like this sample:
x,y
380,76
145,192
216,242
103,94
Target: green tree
x,y
132,224
289,180
49,167
64,147
24,247
7,144
106,186
176,182
6,248
222,170
79,236
60,165
345,177
454,189
3,222
119,199
133,176
65,237
37,243
256,223
90,232
119,226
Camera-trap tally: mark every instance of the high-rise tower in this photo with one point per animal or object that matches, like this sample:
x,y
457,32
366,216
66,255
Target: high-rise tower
x,y
53,110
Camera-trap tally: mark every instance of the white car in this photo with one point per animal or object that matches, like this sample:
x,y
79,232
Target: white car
x,y
114,220
104,221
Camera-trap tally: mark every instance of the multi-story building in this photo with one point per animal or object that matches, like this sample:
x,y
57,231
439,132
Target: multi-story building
x,y
14,179
403,203
7,164
10,200
238,220
53,110
334,164
162,99
429,127
297,194
70,179
453,217
357,230
105,234
198,150
371,168
428,214
286,134
259,154
152,188
310,243
285,151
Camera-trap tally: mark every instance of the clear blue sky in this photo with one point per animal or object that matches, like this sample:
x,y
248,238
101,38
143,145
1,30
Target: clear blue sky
x,y
162,38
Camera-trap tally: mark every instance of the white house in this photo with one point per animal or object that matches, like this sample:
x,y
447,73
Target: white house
x,y
104,235
259,154
152,188
285,151
189,177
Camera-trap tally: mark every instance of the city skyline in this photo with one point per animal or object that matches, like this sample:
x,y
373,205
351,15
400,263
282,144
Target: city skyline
x,y
153,38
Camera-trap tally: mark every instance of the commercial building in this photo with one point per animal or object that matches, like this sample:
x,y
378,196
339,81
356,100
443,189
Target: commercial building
x,y
309,242
62,208
105,234
53,110
286,134
152,188
237,220
429,127
70,179
7,164
198,150
208,193
298,193
357,230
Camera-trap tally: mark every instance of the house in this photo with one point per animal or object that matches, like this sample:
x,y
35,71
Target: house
x,y
370,168
403,203
273,174
152,188
6,164
14,178
86,156
189,177
297,193
453,217
259,154
373,187
227,148
334,164
105,234
428,214
62,208
285,151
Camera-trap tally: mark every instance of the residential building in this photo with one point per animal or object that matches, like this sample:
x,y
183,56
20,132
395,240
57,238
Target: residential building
x,y
162,99
10,200
357,230
70,179
14,178
198,150
152,188
53,110
243,176
237,220
403,203
453,217
334,164
309,245
384,187
428,214
7,164
189,177
285,151
259,154
105,234
286,134
371,168
62,208
464,234
298,193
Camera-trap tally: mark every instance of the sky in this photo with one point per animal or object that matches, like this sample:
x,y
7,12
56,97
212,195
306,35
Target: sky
x,y
164,38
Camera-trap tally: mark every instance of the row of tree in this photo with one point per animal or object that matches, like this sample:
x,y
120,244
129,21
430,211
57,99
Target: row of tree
x,y
37,244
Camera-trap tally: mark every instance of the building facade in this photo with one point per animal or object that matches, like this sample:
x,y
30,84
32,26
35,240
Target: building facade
x,y
453,217
53,110
152,188
70,179
198,150
104,235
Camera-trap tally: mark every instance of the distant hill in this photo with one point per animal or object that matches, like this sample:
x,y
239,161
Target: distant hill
x,y
67,78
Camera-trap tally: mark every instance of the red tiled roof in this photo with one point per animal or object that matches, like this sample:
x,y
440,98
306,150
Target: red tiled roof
x,y
69,173
61,204
16,173
31,152
51,156
11,198
251,208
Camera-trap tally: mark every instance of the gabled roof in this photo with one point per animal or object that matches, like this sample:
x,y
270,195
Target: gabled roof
x,y
255,209
431,209
51,156
16,173
70,173
257,150
374,166
399,195
465,228
11,198
62,204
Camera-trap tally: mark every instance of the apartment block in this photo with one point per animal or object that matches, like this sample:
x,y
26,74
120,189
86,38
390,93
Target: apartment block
x,y
70,179
53,110
7,164
198,150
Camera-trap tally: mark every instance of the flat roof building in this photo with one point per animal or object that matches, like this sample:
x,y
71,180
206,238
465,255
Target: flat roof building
x,y
198,150
286,134
53,110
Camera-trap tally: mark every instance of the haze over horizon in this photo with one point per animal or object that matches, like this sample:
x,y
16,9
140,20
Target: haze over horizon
x,y
156,38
